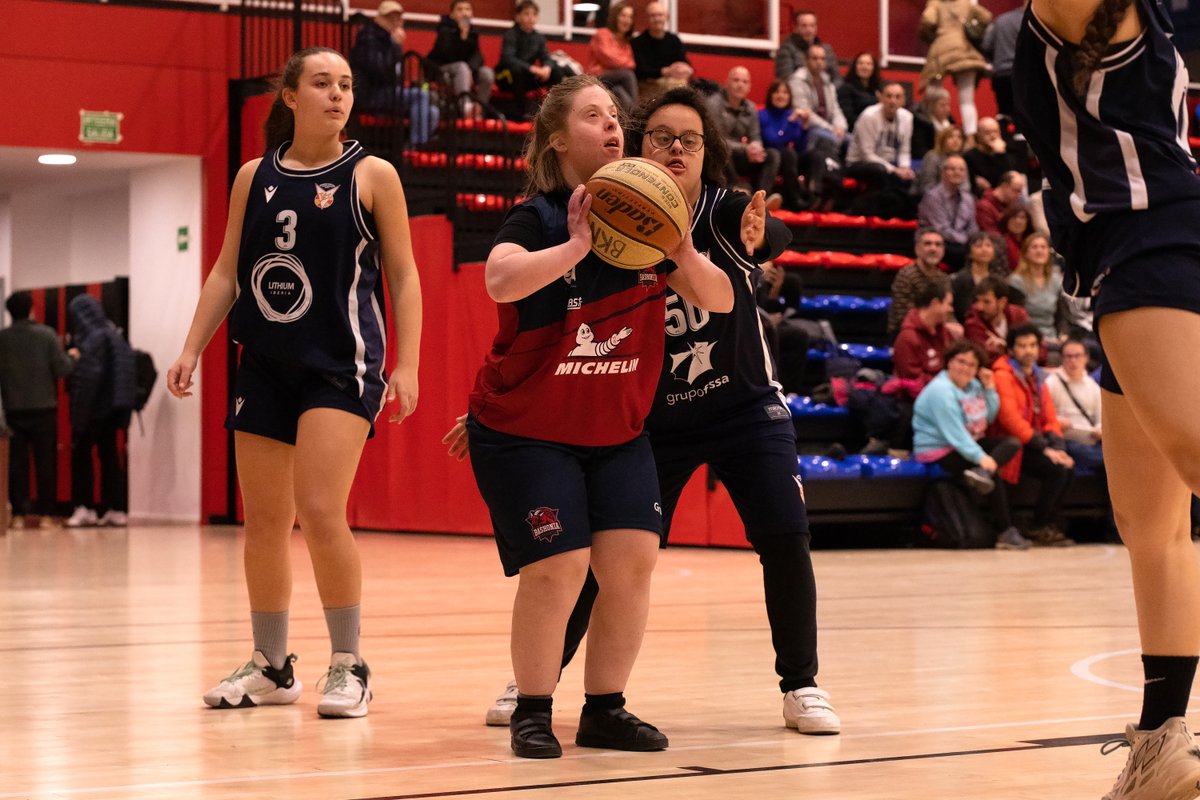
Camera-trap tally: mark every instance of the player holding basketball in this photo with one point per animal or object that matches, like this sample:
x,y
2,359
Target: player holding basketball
x,y
559,453
1100,93
718,402
313,226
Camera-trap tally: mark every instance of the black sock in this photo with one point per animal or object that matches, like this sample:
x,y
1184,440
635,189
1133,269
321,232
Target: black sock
x,y
532,704
603,702
1168,684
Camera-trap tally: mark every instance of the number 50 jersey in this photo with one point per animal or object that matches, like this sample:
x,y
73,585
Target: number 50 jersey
x,y
309,289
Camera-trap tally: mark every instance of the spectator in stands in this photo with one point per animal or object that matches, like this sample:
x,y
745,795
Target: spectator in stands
x,y
457,56
783,131
911,280
950,422
793,52
860,87
525,65
377,60
660,60
1000,45
1014,227
989,159
779,292
992,316
32,360
880,152
984,259
1027,412
817,99
1040,279
949,142
611,55
931,118
924,336
990,209
1077,400
951,52
737,118
950,209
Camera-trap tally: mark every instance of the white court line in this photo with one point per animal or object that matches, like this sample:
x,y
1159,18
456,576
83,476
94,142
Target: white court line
x,y
1083,669
523,761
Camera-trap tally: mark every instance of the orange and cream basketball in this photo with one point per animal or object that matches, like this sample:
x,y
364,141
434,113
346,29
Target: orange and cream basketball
x,y
638,214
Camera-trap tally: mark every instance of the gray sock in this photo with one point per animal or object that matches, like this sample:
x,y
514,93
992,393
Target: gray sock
x,y
270,635
344,625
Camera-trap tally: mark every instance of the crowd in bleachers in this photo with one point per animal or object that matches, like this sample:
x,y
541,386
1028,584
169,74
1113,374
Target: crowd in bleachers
x,y
840,145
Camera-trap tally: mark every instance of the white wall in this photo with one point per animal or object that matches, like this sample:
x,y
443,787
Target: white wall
x,y
164,286
59,240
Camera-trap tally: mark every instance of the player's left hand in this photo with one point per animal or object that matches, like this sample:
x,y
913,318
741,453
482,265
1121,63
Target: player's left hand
x,y
457,440
402,385
754,220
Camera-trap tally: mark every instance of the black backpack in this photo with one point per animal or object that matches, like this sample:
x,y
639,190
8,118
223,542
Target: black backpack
x,y
952,520
144,375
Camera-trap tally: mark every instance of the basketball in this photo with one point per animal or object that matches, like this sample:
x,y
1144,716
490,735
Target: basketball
x,y
638,214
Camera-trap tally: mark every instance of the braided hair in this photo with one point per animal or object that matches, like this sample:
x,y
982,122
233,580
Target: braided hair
x,y
1100,30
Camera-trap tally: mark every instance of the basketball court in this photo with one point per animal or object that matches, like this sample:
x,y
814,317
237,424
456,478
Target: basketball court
x,y
975,674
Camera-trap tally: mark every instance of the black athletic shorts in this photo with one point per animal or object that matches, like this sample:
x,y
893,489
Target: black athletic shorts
x,y
546,498
270,395
1157,279
754,455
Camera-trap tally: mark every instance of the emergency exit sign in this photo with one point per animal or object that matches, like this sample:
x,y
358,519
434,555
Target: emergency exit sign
x,y
100,127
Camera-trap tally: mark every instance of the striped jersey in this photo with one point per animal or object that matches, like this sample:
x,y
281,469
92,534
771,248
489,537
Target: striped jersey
x,y
717,365
577,361
1120,148
309,288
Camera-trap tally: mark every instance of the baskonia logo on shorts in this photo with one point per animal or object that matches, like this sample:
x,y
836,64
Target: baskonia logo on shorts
x,y
584,358
543,521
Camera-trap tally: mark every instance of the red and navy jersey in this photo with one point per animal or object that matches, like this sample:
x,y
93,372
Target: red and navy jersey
x,y
576,361
309,288
718,365
1120,148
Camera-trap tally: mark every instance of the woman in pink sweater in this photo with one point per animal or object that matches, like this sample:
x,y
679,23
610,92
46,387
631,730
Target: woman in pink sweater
x,y
611,55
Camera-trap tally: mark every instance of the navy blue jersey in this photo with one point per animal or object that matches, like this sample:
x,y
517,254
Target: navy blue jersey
x,y
309,289
575,362
1121,148
717,365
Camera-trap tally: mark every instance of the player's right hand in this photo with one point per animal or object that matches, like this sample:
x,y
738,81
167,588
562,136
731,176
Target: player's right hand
x,y
457,439
179,376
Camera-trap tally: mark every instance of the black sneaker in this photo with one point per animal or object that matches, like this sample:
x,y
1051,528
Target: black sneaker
x,y
532,735
617,729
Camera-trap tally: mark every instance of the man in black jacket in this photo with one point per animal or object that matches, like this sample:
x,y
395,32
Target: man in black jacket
x,y
457,56
659,55
525,63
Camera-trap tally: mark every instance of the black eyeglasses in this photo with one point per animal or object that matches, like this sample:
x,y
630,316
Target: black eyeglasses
x,y
690,141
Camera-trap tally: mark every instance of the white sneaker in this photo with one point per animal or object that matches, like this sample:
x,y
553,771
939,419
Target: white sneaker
x,y
808,711
346,688
114,519
256,683
1164,764
83,517
502,710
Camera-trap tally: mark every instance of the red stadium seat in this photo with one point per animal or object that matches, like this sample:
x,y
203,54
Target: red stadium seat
x,y
836,220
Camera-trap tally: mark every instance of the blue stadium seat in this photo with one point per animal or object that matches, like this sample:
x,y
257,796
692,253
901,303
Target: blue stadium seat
x,y
818,468
868,354
888,467
805,407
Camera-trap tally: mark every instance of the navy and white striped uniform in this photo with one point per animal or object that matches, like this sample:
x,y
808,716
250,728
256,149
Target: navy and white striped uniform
x,y
310,299
1120,178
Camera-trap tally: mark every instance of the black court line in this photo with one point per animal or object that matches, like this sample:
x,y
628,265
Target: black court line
x,y
706,772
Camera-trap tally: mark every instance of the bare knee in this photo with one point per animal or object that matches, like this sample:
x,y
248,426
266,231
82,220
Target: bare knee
x,y
558,579
320,516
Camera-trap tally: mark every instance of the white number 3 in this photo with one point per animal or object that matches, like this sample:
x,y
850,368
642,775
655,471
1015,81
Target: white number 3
x,y
287,218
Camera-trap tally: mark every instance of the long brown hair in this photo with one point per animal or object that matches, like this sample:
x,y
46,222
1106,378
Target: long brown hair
x,y
281,122
614,11
1100,29
541,161
1025,267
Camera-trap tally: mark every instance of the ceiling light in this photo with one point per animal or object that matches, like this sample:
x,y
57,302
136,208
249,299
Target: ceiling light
x,y
587,8
58,159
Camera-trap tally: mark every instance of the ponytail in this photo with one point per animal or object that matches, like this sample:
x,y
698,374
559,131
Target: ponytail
x,y
281,123
1100,30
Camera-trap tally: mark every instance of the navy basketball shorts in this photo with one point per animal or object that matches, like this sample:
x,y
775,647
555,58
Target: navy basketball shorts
x,y
754,455
1167,278
547,498
270,395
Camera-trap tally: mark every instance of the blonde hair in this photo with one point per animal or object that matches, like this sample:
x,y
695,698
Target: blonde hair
x,y
939,141
1026,269
545,173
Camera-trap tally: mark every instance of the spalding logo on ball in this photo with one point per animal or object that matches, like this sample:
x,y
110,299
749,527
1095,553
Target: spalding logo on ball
x,y
638,214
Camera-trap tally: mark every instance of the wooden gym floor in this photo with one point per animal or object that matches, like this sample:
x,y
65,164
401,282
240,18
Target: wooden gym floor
x,y
977,674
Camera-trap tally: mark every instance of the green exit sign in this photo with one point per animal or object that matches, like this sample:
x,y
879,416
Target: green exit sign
x,y
100,127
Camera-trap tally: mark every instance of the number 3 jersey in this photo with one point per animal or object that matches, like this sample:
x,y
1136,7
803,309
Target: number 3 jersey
x,y
309,288
718,365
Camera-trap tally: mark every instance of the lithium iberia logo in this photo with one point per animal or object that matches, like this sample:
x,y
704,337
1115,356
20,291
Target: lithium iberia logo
x,y
586,348
544,523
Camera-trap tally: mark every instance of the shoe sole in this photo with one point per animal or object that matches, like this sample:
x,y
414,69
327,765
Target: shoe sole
x,y
498,718
1006,546
605,744
814,731
544,751
279,697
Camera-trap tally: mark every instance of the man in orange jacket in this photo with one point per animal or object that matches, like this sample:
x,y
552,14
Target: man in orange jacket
x,y
1027,413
